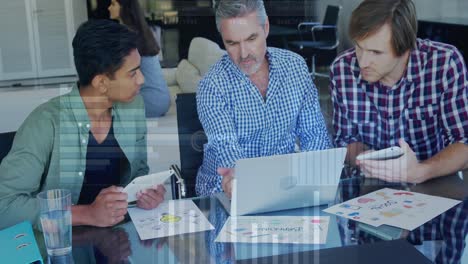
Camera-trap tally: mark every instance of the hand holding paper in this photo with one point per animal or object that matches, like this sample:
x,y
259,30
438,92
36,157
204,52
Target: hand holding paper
x,y
142,183
109,207
151,198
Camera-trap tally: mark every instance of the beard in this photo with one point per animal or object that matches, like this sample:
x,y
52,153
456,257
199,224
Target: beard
x,y
252,67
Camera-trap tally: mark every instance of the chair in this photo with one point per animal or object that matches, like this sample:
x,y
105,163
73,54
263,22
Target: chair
x,y
191,141
6,140
323,37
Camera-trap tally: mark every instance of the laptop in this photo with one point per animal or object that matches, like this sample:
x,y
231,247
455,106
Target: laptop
x,y
289,181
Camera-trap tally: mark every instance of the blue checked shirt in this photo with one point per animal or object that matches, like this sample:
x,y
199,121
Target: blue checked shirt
x,y
239,123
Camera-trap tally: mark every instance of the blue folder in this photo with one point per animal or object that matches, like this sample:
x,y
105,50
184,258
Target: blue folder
x,y
18,245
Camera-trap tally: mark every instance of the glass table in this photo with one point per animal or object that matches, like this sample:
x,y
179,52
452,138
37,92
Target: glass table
x,y
441,240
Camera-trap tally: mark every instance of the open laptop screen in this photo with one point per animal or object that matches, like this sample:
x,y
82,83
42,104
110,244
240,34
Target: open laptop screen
x,y
287,181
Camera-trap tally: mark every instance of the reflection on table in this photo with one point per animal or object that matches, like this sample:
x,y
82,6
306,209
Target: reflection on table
x,y
442,239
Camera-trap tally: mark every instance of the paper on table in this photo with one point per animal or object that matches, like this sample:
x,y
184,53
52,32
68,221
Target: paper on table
x,y
275,229
169,218
402,209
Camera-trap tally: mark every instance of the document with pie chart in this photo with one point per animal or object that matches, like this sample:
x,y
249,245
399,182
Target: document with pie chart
x,y
403,209
170,218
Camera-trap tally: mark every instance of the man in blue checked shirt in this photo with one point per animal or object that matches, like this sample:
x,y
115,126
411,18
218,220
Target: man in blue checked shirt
x,y
255,101
394,89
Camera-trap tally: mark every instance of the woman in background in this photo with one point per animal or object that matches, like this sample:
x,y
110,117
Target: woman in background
x,y
154,91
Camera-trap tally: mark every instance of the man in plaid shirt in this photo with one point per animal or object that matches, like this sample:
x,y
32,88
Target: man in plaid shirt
x,y
394,89
255,101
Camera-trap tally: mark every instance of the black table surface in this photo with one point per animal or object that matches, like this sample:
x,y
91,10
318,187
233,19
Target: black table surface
x,y
121,244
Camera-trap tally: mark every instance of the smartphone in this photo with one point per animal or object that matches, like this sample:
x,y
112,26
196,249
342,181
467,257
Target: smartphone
x,y
383,154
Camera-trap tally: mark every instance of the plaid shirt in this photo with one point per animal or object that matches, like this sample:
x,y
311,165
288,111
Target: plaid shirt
x,y
239,123
428,107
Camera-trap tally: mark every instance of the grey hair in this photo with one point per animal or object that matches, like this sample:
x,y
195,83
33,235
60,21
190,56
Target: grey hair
x,y
239,8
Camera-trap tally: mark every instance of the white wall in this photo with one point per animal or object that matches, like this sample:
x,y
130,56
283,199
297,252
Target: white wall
x,y
80,13
425,9
440,9
18,103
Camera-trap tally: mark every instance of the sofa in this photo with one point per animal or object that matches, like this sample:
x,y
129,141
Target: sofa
x,y
203,53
